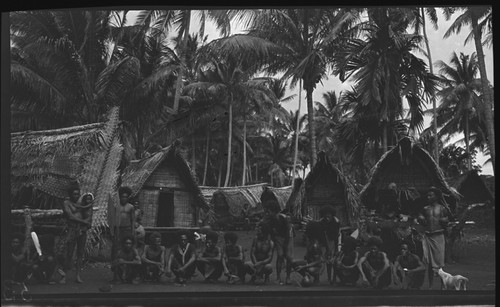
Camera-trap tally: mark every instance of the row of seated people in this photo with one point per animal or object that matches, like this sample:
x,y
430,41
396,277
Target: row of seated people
x,y
151,263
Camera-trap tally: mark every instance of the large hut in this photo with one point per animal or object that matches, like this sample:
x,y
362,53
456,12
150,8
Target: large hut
x,y
45,163
411,171
326,185
232,205
166,189
472,188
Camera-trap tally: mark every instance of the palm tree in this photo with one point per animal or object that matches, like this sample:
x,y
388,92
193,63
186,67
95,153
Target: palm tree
x,y
460,96
307,37
478,18
58,61
328,116
384,70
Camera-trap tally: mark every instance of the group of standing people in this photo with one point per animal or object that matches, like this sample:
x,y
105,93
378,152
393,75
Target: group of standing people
x,y
133,260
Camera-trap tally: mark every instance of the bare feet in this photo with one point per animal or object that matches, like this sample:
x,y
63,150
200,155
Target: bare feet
x,y
62,280
79,279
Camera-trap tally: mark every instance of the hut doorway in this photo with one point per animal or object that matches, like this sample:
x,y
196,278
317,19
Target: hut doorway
x,y
165,216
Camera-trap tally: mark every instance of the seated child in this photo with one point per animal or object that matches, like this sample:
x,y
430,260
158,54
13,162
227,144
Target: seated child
x,y
18,262
209,261
126,265
44,266
345,263
374,265
153,258
312,265
233,259
261,255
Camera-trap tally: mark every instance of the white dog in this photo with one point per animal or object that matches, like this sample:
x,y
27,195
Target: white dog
x,y
457,282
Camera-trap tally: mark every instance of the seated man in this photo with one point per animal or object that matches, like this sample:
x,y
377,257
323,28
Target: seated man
x,y
153,258
374,265
261,255
44,266
182,259
127,263
18,262
312,265
233,259
345,263
209,261
408,269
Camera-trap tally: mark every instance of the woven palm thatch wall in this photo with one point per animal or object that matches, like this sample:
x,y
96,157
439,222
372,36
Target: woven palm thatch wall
x,y
281,195
165,170
326,185
231,200
472,187
411,168
50,160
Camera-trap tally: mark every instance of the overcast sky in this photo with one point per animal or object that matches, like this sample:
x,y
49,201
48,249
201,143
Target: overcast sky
x,y
441,49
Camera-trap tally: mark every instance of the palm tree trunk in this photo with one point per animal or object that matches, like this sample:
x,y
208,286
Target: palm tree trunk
x,y
296,154
466,135
193,153
249,167
256,172
140,136
490,124
384,137
229,139
219,180
178,85
312,129
206,157
244,148
434,120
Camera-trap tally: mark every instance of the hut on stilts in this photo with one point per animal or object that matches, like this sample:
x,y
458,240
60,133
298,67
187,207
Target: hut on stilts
x,y
45,163
166,189
326,185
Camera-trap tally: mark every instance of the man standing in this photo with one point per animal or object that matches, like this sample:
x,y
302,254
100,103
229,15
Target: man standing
x,y
78,211
434,219
124,220
282,235
329,237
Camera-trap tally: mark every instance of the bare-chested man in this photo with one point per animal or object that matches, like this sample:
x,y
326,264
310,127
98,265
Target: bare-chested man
x,y
434,219
125,224
78,211
261,255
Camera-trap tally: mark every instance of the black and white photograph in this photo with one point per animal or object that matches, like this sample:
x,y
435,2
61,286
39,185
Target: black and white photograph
x,y
248,156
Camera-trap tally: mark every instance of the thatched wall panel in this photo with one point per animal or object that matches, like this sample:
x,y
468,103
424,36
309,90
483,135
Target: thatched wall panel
x,y
183,210
165,176
149,202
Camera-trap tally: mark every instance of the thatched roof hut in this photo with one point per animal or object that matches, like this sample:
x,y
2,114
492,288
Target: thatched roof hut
x,y
233,201
48,161
413,170
166,188
472,188
281,195
326,185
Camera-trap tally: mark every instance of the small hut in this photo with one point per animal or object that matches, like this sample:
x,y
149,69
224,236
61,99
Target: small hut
x,y
232,205
281,195
166,188
472,188
489,181
413,171
45,163
326,185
